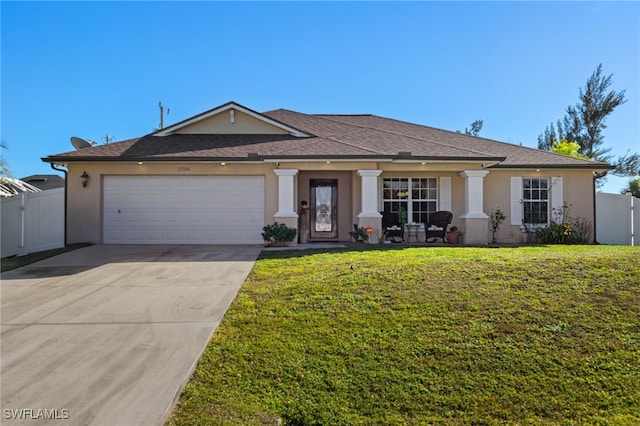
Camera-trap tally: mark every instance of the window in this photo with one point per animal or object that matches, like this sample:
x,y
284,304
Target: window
x,y
417,196
535,200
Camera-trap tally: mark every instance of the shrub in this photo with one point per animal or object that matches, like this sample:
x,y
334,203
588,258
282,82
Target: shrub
x,y
565,229
278,234
495,220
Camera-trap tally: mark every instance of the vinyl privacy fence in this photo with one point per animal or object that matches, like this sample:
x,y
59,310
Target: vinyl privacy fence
x,y
617,219
32,222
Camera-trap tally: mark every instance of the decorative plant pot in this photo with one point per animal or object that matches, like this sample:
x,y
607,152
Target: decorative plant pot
x,y
453,237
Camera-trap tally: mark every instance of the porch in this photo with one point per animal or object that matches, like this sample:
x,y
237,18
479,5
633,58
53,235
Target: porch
x,y
324,205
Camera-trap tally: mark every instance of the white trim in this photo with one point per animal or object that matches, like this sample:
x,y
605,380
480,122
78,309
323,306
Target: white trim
x,y
324,160
228,107
533,227
418,160
474,173
369,193
286,214
370,215
369,173
556,196
445,193
474,194
286,192
285,172
516,200
474,216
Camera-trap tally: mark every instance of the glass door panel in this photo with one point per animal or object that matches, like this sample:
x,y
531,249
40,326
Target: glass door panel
x,y
324,209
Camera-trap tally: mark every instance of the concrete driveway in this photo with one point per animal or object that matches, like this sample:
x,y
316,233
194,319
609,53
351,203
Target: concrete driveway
x,y
109,335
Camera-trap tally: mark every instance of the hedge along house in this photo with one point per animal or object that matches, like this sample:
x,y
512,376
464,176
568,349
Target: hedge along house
x,y
220,176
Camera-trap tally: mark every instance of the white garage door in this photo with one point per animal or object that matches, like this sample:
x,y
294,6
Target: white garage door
x,y
183,210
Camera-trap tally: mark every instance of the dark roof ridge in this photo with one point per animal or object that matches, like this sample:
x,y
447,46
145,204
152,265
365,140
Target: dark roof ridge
x,y
361,128
354,145
413,137
343,115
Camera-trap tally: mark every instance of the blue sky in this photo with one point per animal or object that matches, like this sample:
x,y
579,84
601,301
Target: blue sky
x,y
90,69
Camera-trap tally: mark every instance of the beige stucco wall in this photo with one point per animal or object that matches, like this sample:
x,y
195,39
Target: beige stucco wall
x,y
577,193
84,214
221,124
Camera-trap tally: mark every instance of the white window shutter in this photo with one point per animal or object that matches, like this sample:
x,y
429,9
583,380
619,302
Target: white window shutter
x,y
445,194
556,197
516,201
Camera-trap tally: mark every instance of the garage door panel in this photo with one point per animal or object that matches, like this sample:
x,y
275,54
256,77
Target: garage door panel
x,y
193,209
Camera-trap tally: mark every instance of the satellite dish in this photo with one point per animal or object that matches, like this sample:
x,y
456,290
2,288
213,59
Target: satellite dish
x,y
79,143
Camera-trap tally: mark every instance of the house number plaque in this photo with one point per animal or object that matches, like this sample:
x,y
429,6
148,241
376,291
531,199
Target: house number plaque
x,y
183,169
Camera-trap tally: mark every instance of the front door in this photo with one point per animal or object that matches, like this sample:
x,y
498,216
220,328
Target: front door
x,y
323,209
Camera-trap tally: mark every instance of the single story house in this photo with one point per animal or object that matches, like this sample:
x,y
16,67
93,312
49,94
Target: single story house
x,y
220,176
44,182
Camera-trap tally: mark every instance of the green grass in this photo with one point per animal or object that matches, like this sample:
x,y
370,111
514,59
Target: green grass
x,y
532,335
13,262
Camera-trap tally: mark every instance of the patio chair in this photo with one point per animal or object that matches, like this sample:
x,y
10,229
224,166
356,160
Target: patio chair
x,y
392,229
437,225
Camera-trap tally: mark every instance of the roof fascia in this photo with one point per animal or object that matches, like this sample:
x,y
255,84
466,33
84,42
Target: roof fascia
x,y
487,162
596,166
226,107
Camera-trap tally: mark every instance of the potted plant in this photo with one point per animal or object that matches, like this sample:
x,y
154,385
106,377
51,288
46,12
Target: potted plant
x,y
360,235
402,216
453,235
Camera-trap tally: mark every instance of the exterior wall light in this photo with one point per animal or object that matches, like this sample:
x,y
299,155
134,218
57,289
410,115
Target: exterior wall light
x,y
84,178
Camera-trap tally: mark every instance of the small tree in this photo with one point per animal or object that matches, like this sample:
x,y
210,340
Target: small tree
x,y
495,220
585,123
632,188
565,147
476,126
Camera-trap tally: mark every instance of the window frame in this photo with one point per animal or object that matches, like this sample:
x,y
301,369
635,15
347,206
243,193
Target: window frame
x,y
532,200
403,195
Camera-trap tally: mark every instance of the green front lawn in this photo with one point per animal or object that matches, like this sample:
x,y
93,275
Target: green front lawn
x,y
532,335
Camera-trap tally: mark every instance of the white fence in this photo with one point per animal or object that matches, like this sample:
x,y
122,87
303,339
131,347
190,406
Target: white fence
x,y
32,222
617,219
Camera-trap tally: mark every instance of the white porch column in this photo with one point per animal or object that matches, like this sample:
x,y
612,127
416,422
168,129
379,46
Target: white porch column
x,y
286,199
474,194
369,193
369,216
476,222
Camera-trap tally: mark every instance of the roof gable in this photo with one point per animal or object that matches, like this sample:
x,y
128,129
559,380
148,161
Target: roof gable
x,y
230,118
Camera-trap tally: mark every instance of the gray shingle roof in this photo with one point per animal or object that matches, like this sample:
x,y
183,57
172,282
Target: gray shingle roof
x,y
332,136
44,182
